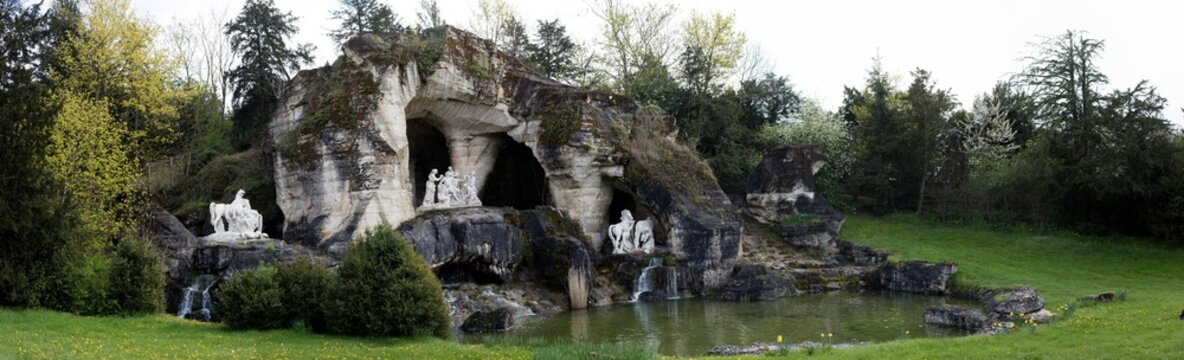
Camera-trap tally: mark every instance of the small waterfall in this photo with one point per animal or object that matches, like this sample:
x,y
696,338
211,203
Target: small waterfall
x,y
201,285
672,282
644,283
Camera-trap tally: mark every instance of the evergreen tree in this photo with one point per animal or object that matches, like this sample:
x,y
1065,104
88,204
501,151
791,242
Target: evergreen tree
x,y
260,35
926,116
874,117
554,53
767,100
363,17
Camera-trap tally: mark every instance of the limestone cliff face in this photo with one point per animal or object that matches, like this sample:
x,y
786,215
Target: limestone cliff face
x,y
354,142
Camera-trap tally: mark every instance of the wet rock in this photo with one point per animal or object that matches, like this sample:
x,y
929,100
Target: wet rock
x,y
1016,301
914,276
755,283
497,320
736,350
956,316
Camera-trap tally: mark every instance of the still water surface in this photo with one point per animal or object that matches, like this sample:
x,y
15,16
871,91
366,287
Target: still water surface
x,y
693,326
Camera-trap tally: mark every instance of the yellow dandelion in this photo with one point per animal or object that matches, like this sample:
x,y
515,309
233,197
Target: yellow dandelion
x,y
778,339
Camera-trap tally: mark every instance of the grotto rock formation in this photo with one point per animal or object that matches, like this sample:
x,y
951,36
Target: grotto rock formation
x,y
355,141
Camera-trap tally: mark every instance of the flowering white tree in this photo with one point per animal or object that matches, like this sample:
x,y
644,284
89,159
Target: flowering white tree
x,y
987,134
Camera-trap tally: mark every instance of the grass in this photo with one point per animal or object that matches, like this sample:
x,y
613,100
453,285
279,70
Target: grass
x,y
1063,267
39,334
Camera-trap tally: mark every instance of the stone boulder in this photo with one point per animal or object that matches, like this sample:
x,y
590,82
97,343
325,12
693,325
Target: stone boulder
x,y
755,283
810,235
445,97
960,317
176,245
783,185
497,320
913,276
482,239
1017,301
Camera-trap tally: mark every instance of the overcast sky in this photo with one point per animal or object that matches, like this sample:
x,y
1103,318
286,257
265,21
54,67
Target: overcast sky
x,y
823,45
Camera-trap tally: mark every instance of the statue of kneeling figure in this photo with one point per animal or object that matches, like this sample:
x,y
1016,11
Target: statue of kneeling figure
x,y
630,235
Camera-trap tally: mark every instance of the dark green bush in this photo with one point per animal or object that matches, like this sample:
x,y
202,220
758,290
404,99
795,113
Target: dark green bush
x,y
305,286
385,289
137,277
252,300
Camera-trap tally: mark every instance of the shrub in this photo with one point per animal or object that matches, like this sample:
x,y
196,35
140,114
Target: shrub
x,y
385,289
252,300
305,286
137,277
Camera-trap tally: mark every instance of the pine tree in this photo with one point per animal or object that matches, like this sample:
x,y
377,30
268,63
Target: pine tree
x,y
260,35
364,17
553,52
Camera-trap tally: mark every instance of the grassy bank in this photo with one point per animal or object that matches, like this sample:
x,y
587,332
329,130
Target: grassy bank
x,y
1062,266
38,334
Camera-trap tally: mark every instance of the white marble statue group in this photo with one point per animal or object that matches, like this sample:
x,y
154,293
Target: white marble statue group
x,y
631,235
236,220
449,191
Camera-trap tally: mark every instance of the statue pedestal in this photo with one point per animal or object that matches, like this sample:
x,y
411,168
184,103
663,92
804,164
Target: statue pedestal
x,y
235,237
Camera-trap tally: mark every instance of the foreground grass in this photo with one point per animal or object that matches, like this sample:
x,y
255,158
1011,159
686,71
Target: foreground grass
x,y
40,334
1063,267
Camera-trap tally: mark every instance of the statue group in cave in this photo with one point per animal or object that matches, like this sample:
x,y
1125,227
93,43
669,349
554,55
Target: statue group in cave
x,y
631,235
449,191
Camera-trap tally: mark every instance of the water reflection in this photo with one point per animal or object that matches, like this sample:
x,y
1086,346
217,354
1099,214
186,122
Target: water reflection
x,y
692,326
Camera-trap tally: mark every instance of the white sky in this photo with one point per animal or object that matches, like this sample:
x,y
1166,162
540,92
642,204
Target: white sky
x,y
823,45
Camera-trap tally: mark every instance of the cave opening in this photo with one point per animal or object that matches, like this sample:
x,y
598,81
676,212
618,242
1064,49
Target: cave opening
x,y
517,180
625,200
428,149
464,273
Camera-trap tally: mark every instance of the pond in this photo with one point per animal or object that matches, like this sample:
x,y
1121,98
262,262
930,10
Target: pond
x,y
690,327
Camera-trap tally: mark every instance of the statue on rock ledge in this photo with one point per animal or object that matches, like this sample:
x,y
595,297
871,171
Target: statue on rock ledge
x,y
236,220
442,192
630,236
429,196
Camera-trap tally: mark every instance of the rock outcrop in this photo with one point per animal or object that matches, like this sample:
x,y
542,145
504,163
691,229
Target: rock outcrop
x,y
960,317
781,192
355,141
1006,303
755,283
497,320
914,276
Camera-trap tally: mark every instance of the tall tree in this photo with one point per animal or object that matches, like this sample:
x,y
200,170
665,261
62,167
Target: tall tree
x,y
632,35
429,14
363,17
874,117
553,52
514,39
260,36
722,45
767,100
117,111
926,115
490,18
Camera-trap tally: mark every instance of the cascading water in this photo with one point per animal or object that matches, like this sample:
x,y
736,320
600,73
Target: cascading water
x,y
672,282
201,285
643,282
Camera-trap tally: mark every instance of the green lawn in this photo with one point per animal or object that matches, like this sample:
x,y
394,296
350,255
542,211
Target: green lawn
x,y
1063,267
39,334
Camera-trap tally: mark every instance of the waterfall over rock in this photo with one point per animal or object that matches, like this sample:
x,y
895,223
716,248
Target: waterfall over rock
x,y
201,286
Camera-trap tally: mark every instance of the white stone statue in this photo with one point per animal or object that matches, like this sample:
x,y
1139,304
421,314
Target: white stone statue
x,y
429,195
449,191
470,194
236,220
630,235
